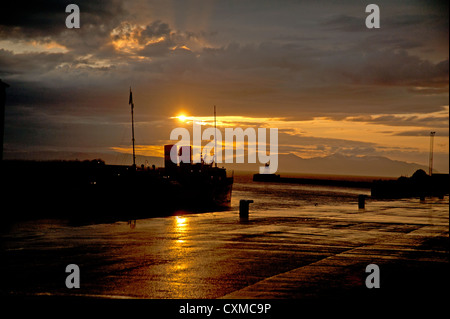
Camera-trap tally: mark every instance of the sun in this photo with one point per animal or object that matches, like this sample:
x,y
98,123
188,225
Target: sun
x,y
182,118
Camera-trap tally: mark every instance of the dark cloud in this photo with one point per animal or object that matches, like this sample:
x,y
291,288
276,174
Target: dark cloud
x,y
384,68
46,18
155,30
33,17
30,64
436,121
441,132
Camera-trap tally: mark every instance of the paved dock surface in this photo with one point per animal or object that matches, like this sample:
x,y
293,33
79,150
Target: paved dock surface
x,y
311,253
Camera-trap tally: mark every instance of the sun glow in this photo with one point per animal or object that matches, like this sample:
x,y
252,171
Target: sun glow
x,y
182,118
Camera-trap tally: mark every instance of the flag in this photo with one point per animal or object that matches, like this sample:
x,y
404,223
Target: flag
x,y
131,99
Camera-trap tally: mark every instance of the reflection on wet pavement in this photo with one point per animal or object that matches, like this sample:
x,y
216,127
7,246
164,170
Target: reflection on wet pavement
x,y
276,253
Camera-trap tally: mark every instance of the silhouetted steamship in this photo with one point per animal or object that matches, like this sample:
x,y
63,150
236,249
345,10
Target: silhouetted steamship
x,y
92,187
80,188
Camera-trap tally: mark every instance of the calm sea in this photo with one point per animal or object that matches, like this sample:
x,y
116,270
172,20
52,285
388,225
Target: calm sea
x,y
274,196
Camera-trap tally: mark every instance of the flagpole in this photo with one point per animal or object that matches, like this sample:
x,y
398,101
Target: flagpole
x,y
215,138
132,127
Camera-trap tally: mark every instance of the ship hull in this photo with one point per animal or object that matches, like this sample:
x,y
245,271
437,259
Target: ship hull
x,y
88,189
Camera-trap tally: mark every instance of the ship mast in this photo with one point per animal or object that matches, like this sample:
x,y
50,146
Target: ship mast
x,y
132,126
215,137
430,163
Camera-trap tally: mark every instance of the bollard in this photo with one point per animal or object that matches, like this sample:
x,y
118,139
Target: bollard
x,y
361,201
243,207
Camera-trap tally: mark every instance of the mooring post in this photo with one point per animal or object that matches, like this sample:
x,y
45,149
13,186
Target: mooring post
x,y
361,201
243,207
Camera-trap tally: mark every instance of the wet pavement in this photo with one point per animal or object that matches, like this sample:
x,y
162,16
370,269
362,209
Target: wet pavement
x,y
316,252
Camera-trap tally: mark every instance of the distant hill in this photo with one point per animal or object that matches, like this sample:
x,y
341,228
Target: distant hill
x,y
338,164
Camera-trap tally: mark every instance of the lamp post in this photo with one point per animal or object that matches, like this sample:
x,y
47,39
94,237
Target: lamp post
x,y
3,87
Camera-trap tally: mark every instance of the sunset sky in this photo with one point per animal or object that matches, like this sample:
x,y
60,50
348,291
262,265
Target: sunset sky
x,y
309,68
